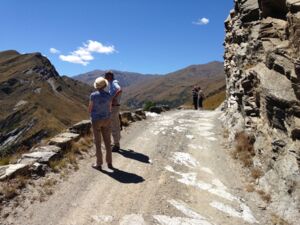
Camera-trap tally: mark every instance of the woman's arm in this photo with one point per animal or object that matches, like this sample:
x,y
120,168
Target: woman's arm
x,y
90,106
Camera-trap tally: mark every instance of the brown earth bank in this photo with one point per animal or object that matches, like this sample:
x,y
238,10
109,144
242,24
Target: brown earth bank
x,y
36,102
262,112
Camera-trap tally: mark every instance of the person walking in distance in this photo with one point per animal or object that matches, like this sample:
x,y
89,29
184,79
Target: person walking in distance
x,y
115,91
100,112
195,97
200,98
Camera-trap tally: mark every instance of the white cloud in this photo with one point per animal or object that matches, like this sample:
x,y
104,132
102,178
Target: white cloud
x,y
54,51
202,21
83,55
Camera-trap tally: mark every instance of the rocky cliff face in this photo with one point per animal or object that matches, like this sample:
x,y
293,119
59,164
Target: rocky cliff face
x,y
263,93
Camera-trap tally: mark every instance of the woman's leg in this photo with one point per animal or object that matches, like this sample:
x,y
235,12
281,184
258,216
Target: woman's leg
x,y
97,138
106,134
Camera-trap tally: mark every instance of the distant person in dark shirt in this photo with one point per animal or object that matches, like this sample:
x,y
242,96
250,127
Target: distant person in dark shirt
x,y
195,97
100,111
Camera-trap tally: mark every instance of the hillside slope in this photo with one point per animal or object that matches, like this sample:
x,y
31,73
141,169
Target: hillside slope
x,y
175,88
35,101
126,79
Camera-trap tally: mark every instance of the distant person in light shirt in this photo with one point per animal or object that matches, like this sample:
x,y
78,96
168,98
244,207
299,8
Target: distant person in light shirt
x,y
115,91
100,112
200,98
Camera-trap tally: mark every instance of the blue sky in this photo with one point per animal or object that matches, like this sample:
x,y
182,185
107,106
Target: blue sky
x,y
147,36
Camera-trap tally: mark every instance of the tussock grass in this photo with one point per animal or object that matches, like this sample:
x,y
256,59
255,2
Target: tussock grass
x,y
71,156
4,161
244,149
11,188
277,220
256,173
249,188
264,196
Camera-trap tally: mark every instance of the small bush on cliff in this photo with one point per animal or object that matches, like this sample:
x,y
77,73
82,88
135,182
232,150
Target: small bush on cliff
x,y
148,105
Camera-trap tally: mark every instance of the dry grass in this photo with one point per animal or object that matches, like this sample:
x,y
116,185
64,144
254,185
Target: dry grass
x,y
214,101
256,173
82,145
72,154
225,133
244,149
12,159
277,220
125,122
264,196
250,188
4,161
11,188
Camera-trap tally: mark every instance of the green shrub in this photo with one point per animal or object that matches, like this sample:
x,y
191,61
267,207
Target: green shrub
x,y
148,105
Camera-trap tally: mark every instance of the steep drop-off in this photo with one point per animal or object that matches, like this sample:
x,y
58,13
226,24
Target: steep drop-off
x,y
263,93
35,101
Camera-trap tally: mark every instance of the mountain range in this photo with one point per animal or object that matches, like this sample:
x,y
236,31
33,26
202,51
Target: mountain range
x,y
173,88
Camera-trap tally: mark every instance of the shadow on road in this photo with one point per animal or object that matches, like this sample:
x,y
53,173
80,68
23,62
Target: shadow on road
x,y
124,177
131,154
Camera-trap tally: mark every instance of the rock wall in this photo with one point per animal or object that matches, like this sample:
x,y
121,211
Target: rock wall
x,y
263,93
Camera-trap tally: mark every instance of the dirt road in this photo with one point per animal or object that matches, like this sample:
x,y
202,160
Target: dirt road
x,y
171,170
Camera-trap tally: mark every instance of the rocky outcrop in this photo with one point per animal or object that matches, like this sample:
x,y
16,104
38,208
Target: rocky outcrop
x,y
36,161
263,93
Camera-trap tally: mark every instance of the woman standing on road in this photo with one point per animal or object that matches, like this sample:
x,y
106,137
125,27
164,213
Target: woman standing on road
x,y
100,112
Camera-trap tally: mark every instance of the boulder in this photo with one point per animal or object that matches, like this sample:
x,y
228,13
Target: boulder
x,y
82,128
46,148
249,11
62,142
136,117
12,170
157,109
127,116
40,157
140,113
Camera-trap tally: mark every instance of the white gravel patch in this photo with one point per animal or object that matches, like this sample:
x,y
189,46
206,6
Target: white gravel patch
x,y
166,220
191,180
179,129
205,124
184,159
152,114
211,138
190,136
103,218
206,133
244,214
186,210
192,146
133,219
207,170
